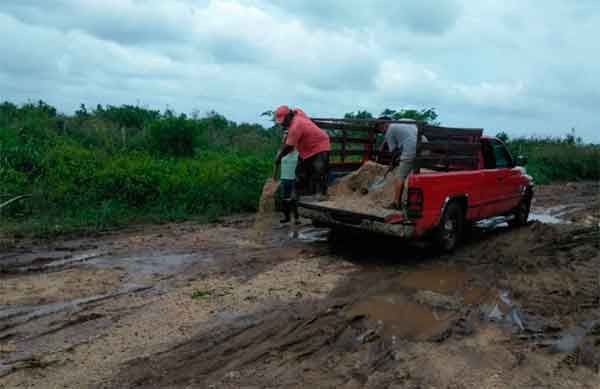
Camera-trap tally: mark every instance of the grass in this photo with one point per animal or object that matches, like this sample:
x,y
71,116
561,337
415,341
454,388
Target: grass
x,y
198,294
81,194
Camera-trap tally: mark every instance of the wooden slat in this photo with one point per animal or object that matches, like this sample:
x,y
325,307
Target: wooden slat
x,y
348,152
343,126
341,139
344,166
440,158
436,132
363,121
444,147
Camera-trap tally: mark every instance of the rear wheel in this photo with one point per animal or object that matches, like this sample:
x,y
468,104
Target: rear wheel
x,y
318,224
521,213
450,229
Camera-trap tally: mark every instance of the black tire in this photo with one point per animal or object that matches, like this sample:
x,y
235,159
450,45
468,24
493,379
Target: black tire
x,y
318,224
469,230
521,213
450,230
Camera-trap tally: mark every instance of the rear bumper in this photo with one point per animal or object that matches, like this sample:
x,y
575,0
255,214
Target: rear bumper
x,y
340,218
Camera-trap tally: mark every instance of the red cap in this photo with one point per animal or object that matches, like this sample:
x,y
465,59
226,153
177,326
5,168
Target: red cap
x,y
280,113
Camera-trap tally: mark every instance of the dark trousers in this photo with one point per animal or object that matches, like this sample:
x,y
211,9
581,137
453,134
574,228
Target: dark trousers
x,y
288,205
315,170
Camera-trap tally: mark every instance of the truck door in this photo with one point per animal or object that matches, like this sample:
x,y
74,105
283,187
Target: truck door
x,y
508,177
492,177
501,180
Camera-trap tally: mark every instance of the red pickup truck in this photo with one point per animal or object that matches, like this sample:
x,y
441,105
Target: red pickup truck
x,y
461,177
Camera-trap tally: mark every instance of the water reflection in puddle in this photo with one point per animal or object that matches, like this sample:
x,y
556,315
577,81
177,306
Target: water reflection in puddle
x,y
538,216
403,318
149,264
420,303
546,218
438,279
311,234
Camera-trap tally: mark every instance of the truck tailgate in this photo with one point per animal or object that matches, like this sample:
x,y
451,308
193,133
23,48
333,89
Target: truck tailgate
x,y
336,217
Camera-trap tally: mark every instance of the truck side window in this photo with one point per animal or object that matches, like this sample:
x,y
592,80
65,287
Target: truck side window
x,y
488,156
503,159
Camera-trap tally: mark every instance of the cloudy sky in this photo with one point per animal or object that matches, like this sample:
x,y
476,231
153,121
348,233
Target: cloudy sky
x,y
524,67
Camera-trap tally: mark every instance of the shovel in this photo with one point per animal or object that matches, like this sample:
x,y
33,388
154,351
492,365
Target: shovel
x,y
379,181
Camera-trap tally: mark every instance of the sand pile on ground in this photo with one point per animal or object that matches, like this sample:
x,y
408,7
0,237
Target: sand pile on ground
x,y
353,191
266,209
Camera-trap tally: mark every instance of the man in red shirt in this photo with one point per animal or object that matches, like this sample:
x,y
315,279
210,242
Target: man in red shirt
x,y
312,144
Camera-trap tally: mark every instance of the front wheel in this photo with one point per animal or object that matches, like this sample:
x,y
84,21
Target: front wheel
x,y
521,213
450,229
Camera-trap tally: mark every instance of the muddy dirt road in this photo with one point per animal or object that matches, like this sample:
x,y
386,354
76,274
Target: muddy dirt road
x,y
205,306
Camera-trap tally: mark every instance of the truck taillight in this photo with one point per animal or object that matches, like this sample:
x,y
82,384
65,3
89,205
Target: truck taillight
x,y
414,203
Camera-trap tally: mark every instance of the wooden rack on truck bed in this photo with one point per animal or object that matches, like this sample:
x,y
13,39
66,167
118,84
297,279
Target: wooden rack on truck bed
x,y
355,141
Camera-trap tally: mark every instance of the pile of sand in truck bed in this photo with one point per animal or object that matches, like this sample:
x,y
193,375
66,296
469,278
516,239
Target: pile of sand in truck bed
x,y
352,192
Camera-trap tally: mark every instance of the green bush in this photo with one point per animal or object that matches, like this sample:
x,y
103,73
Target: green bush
x,y
22,150
558,159
14,182
68,175
133,179
173,136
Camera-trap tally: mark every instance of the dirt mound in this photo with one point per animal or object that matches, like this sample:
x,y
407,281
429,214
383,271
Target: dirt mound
x,y
353,192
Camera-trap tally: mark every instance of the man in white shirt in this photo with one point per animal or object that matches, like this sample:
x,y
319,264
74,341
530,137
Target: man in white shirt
x,y
401,140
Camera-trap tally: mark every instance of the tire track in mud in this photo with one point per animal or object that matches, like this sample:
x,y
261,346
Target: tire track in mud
x,y
300,336
38,331
27,329
317,343
47,264
320,344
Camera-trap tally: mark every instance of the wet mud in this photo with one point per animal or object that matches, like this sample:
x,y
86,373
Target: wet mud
x,y
190,306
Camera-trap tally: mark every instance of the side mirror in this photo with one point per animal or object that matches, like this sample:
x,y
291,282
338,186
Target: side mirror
x,y
521,160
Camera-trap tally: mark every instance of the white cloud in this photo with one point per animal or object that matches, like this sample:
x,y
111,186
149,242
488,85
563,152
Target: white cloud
x,y
510,65
491,94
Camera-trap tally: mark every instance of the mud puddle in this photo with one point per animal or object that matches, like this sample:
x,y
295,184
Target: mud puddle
x,y
541,215
438,279
422,303
402,318
152,263
310,234
546,218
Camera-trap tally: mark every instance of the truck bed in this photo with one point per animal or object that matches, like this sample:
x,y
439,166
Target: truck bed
x,y
362,215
